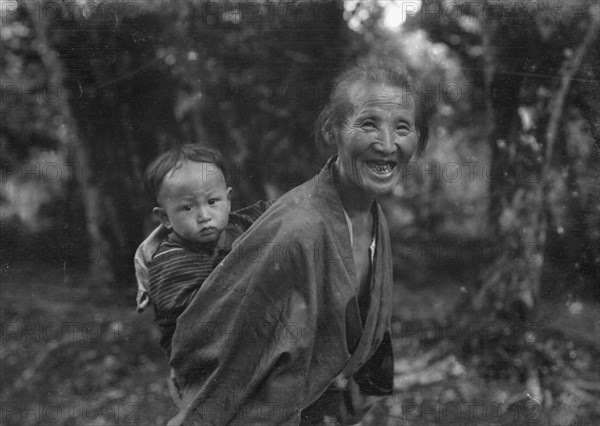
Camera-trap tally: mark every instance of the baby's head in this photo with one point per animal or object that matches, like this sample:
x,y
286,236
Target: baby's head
x,y
192,197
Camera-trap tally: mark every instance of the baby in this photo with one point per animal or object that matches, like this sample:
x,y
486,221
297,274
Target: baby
x,y
197,231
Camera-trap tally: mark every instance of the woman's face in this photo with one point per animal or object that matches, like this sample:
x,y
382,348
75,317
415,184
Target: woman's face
x,y
378,138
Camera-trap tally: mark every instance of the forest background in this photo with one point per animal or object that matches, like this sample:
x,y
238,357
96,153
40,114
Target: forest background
x,y
496,228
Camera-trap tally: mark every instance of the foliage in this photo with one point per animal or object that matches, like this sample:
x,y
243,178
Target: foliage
x,y
136,78
524,58
96,89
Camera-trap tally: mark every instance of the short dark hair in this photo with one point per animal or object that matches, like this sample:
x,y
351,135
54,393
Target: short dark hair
x,y
173,160
392,73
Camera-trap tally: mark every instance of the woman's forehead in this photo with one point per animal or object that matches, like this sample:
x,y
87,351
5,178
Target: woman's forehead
x,y
364,95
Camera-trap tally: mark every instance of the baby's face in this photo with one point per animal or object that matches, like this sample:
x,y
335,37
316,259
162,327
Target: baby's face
x,y
195,202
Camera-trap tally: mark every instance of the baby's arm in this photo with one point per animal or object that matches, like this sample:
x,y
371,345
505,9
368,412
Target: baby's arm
x,y
142,258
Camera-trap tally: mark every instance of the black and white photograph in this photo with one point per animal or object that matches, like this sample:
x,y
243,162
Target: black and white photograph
x,y
300,212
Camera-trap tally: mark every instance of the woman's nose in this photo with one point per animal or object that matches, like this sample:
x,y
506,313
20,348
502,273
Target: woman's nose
x,y
386,144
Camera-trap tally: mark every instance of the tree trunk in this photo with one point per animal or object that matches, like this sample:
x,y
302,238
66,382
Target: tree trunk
x,y
108,71
527,117
516,209
98,250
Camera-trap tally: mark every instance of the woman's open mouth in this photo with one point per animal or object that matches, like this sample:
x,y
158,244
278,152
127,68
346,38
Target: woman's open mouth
x,y
382,168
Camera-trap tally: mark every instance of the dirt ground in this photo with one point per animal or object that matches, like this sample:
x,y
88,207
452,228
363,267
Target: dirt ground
x,y
75,353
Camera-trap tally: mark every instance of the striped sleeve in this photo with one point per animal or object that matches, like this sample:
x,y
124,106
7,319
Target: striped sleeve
x,y
174,277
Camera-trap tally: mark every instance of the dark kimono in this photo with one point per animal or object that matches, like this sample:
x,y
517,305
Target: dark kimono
x,y
275,335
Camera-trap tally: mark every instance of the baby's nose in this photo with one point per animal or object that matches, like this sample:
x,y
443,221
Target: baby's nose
x,y
203,214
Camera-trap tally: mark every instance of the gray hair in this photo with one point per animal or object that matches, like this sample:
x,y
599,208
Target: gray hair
x,y
387,72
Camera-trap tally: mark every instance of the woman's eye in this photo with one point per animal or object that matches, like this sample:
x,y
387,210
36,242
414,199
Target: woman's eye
x,y
403,127
368,124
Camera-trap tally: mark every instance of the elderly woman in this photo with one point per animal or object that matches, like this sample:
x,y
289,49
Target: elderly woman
x,y
293,327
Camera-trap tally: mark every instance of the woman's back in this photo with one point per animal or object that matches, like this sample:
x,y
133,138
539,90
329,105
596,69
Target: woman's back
x,y
286,309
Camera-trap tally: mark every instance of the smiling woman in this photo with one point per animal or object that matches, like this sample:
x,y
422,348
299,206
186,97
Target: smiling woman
x,y
377,138
299,332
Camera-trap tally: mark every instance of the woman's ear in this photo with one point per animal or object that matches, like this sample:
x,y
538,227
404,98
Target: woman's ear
x,y
160,213
328,132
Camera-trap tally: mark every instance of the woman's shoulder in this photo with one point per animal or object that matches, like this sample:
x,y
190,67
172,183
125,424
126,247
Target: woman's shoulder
x,y
297,214
301,205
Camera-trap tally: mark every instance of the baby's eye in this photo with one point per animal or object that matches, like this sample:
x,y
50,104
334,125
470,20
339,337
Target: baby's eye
x,y
212,201
187,208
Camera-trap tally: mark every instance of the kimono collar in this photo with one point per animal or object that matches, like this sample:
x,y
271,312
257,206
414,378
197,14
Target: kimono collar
x,y
331,174
327,192
326,186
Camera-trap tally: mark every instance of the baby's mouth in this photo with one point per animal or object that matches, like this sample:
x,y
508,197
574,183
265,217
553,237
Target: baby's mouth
x,y
381,167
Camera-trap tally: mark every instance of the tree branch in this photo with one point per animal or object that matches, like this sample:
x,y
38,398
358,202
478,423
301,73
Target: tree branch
x,y
568,71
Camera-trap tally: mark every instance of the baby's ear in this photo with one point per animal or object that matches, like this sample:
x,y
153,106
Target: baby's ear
x,y
228,192
160,213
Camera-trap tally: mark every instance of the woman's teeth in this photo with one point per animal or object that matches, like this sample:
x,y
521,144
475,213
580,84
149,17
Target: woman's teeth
x,y
381,168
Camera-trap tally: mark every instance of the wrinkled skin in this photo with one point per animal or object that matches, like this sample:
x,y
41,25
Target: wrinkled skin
x,y
376,139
